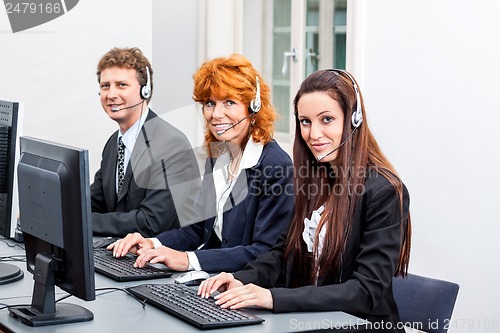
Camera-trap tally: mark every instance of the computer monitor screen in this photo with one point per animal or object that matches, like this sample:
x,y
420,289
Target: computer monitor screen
x,y
55,218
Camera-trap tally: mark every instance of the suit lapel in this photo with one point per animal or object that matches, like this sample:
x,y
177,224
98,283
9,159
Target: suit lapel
x,y
140,148
238,193
109,172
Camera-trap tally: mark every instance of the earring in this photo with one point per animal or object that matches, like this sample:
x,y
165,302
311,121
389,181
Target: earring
x,y
252,122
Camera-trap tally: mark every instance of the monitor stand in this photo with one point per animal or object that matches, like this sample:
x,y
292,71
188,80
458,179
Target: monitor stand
x,y
10,273
43,310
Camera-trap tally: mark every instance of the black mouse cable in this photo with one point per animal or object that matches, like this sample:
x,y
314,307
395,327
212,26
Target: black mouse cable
x,y
110,290
7,242
14,257
113,289
106,291
7,306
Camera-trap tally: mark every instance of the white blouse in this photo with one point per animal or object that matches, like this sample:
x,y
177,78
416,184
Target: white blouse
x,y
309,233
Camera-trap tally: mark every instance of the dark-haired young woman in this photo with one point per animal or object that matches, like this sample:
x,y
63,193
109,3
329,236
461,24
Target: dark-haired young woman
x,y
351,230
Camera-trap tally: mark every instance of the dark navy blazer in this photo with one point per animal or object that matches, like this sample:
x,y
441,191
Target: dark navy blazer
x,y
258,210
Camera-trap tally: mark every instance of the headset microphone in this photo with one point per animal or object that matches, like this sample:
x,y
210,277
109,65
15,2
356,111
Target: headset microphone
x,y
144,92
319,158
219,133
357,114
128,107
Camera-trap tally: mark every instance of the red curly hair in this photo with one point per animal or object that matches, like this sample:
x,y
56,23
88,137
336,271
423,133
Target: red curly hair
x,y
234,77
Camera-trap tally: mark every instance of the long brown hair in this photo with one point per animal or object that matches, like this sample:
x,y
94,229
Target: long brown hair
x,y
235,77
337,188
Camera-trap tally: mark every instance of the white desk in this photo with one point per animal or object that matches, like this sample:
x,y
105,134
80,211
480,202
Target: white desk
x,y
118,312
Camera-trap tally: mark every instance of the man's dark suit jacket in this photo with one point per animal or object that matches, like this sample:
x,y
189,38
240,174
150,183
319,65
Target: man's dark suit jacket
x,y
161,182
257,211
364,286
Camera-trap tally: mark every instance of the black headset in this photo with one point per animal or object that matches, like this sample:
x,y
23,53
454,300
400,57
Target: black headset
x,y
255,104
357,113
146,91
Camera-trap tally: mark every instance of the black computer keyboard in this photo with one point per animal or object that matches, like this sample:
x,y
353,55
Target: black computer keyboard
x,y
122,269
181,301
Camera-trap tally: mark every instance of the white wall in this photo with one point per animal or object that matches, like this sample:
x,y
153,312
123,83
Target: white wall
x,y
175,54
221,28
429,73
51,68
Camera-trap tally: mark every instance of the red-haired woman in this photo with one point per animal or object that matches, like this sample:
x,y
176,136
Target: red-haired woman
x,y
246,200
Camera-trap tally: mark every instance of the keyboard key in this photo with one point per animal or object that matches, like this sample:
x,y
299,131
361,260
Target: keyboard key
x,y
183,302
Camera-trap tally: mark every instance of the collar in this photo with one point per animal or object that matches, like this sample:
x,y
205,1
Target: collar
x,y
131,135
250,158
251,154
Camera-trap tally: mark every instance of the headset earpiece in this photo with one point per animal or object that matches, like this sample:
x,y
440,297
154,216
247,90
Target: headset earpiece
x,y
255,104
146,89
357,113
357,119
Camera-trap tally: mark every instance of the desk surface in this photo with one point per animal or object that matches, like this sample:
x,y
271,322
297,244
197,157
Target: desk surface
x,y
118,312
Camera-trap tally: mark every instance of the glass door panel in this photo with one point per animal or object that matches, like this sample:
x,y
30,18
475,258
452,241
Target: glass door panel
x,y
297,37
325,35
311,37
282,10
339,33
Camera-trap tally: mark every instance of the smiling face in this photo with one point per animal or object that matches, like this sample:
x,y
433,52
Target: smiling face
x,y
222,114
321,124
119,88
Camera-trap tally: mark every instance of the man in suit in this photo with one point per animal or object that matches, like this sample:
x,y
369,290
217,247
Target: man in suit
x,y
148,177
